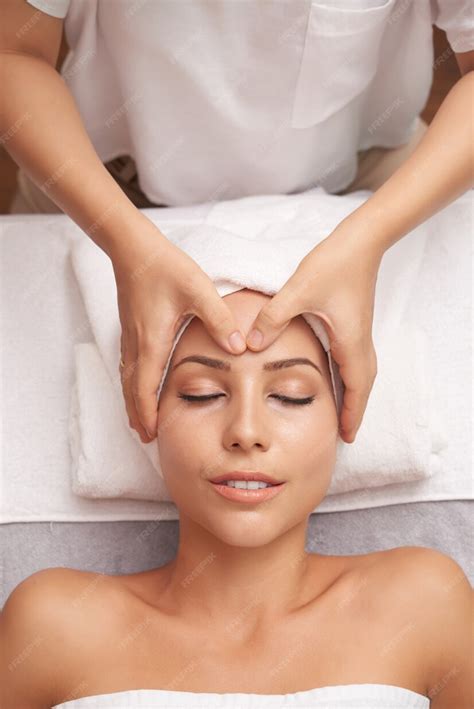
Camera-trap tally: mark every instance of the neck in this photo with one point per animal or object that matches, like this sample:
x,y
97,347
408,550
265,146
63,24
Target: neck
x,y
238,588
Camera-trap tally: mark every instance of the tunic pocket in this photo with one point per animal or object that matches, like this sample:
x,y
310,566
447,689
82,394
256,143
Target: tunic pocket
x,y
340,53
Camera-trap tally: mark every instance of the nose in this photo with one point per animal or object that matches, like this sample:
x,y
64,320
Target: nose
x,y
246,425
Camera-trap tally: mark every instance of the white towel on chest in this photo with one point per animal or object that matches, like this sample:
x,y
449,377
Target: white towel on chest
x,y
251,243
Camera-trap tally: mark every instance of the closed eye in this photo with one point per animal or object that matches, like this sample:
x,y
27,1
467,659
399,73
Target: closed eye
x,y
284,399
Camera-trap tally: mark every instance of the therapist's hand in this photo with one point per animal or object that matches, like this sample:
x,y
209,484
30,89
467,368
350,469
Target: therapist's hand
x,y
336,280
158,286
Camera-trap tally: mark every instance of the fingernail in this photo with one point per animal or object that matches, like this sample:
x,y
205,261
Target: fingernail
x,y
255,338
237,342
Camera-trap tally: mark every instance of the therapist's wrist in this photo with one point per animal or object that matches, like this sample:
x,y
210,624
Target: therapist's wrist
x,y
130,237
368,229
116,230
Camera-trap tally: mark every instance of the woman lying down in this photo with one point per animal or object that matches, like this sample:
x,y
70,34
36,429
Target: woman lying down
x,y
244,616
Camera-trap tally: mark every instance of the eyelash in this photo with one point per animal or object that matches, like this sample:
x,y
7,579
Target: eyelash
x,y
284,399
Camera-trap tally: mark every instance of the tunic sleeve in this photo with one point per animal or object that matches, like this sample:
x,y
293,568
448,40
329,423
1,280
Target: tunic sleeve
x,y
456,18
56,8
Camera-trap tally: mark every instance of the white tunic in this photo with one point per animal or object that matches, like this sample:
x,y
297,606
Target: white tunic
x,y
221,99
345,696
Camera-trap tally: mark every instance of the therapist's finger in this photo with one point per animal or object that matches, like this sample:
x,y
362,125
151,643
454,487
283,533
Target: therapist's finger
x,y
357,363
129,357
153,353
218,319
274,317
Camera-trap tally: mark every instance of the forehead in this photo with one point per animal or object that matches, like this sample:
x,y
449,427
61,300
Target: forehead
x,y
297,339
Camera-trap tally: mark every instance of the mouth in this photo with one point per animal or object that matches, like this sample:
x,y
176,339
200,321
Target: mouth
x,y
246,480
247,484
248,492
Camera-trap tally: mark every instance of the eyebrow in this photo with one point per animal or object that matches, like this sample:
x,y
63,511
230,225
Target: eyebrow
x,y
268,366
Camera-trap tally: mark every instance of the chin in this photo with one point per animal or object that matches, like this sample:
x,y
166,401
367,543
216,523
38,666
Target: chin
x,y
245,528
251,533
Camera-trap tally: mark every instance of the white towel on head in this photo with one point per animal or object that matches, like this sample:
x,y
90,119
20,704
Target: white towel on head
x,y
399,439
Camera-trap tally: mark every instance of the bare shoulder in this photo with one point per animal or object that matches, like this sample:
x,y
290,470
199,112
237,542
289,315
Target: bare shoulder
x,y
401,566
433,598
41,621
438,577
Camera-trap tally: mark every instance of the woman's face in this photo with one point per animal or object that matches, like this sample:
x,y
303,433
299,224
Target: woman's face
x,y
247,428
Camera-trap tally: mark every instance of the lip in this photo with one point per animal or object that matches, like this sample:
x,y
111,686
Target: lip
x,y
247,496
242,475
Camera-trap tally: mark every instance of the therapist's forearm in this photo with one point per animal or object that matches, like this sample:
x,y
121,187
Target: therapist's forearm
x,y
440,169
42,130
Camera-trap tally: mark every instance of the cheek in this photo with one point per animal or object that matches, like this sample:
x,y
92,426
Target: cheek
x,y
182,440
177,450
310,442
